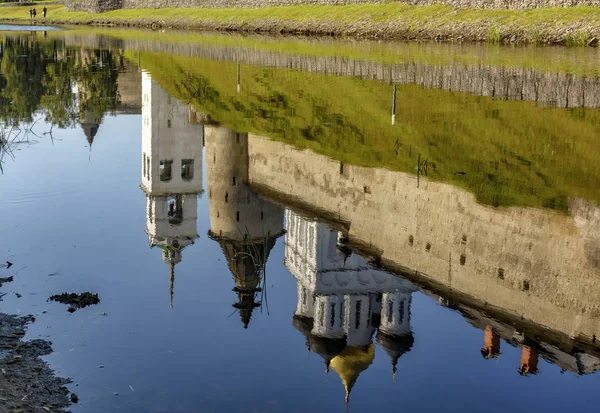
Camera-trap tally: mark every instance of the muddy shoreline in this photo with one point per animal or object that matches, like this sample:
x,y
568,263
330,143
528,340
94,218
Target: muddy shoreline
x,y
460,31
28,384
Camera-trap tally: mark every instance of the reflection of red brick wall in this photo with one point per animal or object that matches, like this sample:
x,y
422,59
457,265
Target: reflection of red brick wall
x,y
491,343
529,361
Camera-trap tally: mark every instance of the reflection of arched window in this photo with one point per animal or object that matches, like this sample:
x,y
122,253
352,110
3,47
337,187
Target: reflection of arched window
x,y
401,312
187,169
390,311
148,167
332,315
144,164
165,170
357,315
321,313
150,214
175,212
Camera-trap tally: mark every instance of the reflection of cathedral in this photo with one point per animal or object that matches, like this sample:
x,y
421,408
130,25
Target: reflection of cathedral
x,y
245,225
171,172
342,301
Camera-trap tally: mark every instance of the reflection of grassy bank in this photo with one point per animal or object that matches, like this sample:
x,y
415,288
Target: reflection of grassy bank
x,y
513,153
571,26
567,60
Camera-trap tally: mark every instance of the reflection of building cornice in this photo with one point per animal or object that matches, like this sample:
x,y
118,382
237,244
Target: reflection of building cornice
x,y
163,193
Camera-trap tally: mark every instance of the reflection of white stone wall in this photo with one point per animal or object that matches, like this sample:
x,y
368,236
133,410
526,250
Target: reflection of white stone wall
x,y
329,316
395,313
340,293
167,135
157,220
313,257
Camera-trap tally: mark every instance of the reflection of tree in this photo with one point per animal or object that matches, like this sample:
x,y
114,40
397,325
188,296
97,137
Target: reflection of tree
x,y
21,89
35,77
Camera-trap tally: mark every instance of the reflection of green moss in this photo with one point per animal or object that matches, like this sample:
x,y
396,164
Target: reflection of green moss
x,y
506,153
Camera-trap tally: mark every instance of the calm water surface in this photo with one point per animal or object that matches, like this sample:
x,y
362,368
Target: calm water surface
x,y
271,231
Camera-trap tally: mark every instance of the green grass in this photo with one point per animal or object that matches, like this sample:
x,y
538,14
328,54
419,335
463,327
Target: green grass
x,y
572,25
513,153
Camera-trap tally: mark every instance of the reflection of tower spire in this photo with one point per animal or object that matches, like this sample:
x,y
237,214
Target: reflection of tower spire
x,y
171,283
350,363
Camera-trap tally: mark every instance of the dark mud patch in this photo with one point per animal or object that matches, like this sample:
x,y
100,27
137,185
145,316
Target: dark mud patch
x,y
27,384
75,301
5,280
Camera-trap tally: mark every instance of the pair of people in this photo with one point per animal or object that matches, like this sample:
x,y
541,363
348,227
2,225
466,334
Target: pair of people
x,y
33,12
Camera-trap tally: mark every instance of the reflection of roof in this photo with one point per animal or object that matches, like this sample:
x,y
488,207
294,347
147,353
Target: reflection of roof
x,y
327,348
350,363
395,346
90,130
246,261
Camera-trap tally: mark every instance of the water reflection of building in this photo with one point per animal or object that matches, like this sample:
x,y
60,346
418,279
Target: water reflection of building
x,y
245,225
342,301
171,172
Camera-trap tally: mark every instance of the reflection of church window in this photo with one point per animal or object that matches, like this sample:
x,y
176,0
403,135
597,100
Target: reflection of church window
x,y
342,312
262,215
303,295
401,312
332,316
226,197
321,313
357,315
237,216
148,167
150,211
175,212
168,123
187,169
144,164
390,311
165,170
311,241
234,181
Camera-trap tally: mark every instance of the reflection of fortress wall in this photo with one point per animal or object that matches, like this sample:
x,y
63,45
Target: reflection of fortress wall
x,y
532,263
555,89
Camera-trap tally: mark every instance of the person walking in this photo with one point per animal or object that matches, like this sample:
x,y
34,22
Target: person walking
x,y
44,11
30,13
34,13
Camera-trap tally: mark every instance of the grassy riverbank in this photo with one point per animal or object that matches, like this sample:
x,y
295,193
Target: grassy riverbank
x,y
567,26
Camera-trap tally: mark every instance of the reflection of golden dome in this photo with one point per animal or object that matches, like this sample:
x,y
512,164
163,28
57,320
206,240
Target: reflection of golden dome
x,y
351,362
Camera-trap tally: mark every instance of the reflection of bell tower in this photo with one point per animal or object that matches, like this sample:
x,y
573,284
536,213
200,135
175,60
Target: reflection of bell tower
x,y
245,225
171,172
89,121
342,300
